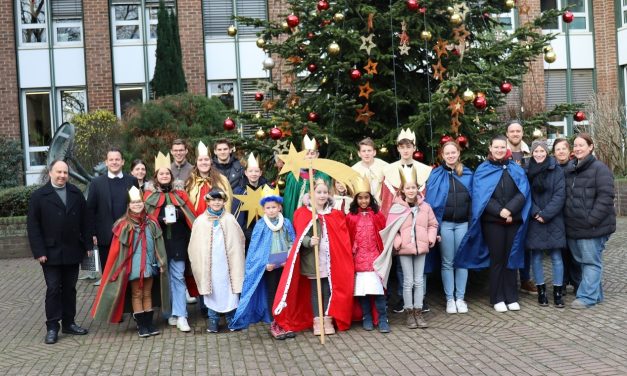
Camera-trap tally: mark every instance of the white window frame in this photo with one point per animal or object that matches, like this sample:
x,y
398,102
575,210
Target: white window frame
x,y
623,13
150,22
32,26
512,16
138,22
60,111
118,89
34,149
560,23
67,23
215,93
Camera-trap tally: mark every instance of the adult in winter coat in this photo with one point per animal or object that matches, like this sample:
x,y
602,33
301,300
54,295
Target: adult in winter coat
x,y
546,223
589,216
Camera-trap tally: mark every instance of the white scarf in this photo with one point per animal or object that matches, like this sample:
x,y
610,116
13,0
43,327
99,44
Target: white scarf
x,y
272,227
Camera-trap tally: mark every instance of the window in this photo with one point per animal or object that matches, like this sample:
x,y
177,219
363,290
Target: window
x,y
218,15
624,12
507,20
67,21
32,22
38,124
579,9
555,86
152,10
126,22
225,91
127,96
251,9
73,102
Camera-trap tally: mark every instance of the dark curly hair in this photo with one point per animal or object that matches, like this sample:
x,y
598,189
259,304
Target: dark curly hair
x,y
354,208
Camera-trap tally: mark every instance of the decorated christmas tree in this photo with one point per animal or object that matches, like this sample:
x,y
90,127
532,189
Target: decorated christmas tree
x,y
351,69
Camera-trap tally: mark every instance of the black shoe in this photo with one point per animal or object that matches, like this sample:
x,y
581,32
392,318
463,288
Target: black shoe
x,y
425,307
152,330
542,299
74,329
142,330
51,337
557,297
398,307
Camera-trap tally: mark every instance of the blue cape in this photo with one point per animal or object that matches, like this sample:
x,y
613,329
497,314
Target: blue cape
x,y
252,306
438,185
473,252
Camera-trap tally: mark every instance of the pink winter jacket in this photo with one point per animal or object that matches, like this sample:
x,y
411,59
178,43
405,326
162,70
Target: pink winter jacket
x,y
426,230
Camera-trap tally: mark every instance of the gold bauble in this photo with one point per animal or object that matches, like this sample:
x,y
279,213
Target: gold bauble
x,y
261,43
509,4
426,35
468,95
285,26
231,31
546,49
550,57
280,183
383,151
333,49
324,80
456,19
537,133
338,17
450,10
258,116
260,134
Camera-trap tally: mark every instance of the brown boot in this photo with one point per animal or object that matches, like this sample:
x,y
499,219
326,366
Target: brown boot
x,y
411,320
328,325
420,320
316,326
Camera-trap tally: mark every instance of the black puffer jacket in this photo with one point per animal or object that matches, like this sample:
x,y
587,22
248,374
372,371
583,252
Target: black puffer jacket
x,y
589,210
233,170
457,208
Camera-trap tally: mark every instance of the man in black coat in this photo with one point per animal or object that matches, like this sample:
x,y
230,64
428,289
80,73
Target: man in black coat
x,y
59,240
228,165
107,202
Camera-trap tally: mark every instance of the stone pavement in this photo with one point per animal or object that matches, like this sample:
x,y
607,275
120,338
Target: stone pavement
x,y
534,341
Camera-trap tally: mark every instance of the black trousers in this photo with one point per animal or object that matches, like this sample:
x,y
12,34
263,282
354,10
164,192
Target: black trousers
x,y
503,281
272,283
60,294
103,253
572,269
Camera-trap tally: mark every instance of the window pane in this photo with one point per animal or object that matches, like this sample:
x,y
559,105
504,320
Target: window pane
x,y
224,91
37,158
506,22
127,32
126,12
72,103
625,18
548,5
33,12
68,34
38,119
579,23
578,5
153,31
34,36
128,97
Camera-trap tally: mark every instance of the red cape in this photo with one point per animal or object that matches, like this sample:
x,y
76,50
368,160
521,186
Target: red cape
x,y
293,297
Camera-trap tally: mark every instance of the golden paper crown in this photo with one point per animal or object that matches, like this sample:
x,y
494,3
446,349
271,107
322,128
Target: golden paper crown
x,y
360,184
202,150
253,161
407,134
162,161
409,175
309,143
134,194
269,191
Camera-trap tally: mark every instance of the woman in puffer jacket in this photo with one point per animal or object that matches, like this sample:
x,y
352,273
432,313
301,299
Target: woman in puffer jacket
x,y
589,216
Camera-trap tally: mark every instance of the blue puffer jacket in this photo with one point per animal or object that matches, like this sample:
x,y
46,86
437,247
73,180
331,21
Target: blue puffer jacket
x,y
548,204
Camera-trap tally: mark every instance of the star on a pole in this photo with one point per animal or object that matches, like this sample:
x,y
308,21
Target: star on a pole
x,y
364,114
365,90
438,70
371,67
367,44
250,204
294,161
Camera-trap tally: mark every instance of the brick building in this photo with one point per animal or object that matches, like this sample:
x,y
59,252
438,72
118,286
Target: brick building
x,y
60,57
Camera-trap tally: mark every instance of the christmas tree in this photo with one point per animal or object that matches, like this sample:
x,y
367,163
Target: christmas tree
x,y
358,68
169,77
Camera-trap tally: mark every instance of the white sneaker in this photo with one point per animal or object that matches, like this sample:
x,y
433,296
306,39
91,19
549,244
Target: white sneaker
x,y
513,306
462,307
190,299
500,307
182,325
450,306
172,320
97,283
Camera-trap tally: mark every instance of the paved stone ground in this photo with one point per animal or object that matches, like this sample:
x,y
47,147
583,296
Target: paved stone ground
x,y
534,341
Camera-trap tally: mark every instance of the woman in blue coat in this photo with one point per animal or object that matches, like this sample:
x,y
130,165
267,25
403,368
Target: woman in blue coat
x,y
546,224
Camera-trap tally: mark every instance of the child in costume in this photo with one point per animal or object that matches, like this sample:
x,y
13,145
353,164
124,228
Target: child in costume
x,y
341,197
255,182
271,241
203,179
296,302
216,254
136,259
411,230
364,222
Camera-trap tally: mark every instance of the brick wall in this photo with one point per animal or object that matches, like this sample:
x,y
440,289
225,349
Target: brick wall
x,y
98,55
9,92
192,40
277,9
605,58
533,98
13,239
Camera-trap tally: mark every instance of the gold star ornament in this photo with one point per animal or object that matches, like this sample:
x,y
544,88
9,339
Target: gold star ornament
x,y
250,203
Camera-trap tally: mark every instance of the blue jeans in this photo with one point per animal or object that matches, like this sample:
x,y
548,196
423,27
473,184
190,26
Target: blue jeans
x,y
215,316
454,281
178,288
556,262
588,253
413,280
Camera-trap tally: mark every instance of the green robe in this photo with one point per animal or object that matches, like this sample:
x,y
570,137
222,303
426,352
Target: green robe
x,y
294,191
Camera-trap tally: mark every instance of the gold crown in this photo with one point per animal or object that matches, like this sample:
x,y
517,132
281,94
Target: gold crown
x,y
162,161
202,150
360,184
269,191
409,175
253,161
309,143
134,194
407,134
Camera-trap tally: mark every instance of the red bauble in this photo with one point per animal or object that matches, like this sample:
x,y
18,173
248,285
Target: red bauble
x,y
412,5
419,156
422,10
310,35
312,67
506,87
292,20
462,140
355,74
229,124
446,138
258,97
313,117
480,103
579,116
325,23
323,5
568,16
276,133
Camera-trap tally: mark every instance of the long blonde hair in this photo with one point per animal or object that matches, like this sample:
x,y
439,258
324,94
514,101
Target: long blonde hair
x,y
459,166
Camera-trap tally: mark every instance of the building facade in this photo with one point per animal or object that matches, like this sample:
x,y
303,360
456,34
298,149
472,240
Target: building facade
x,y
62,57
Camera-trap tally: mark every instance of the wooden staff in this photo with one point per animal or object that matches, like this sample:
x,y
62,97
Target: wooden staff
x,y
316,251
